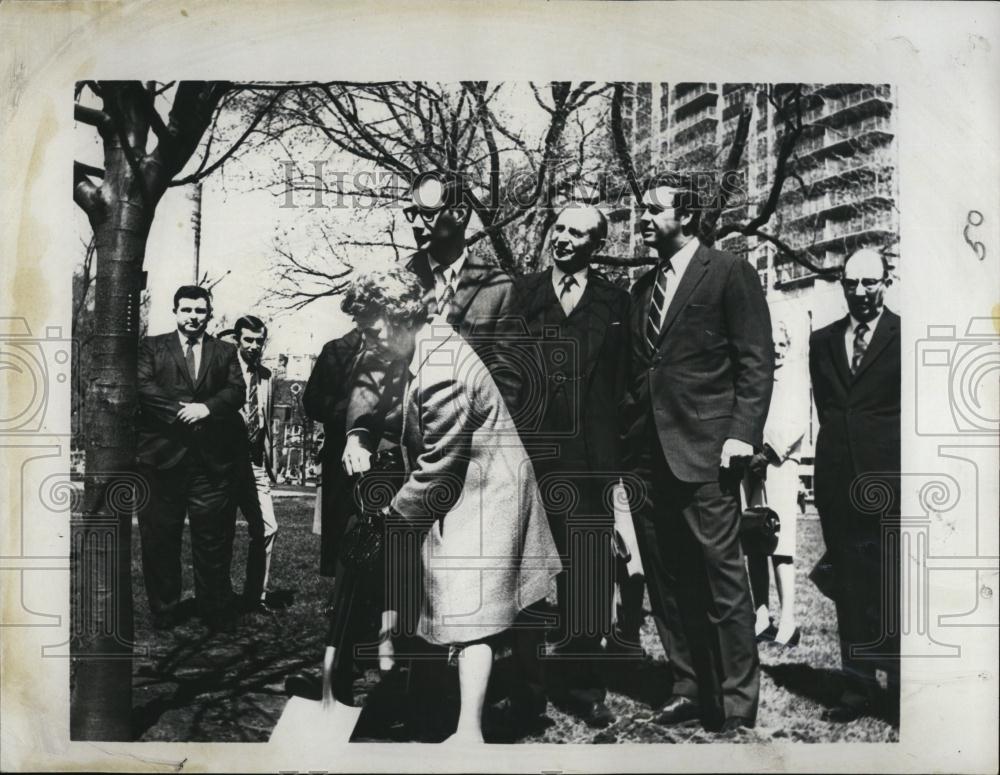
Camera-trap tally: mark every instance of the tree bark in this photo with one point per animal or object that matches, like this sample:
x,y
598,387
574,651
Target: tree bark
x,y
120,211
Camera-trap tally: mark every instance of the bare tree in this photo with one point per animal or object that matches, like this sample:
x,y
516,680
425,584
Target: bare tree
x,y
143,154
402,129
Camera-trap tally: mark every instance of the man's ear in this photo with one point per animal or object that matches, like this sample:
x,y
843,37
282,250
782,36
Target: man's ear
x,y
688,223
597,247
461,214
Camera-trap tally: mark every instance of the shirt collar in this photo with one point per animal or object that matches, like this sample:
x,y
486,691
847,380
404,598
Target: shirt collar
x,y
184,340
852,323
558,274
457,264
682,257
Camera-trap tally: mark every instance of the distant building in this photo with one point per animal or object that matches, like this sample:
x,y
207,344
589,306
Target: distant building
x,y
296,438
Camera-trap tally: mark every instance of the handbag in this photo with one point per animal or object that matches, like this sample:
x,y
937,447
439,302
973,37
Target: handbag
x,y
759,526
362,544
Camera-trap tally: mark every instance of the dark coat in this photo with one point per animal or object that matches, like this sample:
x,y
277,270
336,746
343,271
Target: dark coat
x,y
859,418
163,382
325,400
858,414
709,378
328,389
580,363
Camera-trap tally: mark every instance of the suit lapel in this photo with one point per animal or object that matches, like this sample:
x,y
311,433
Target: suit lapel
x,y
207,351
840,352
888,324
697,268
596,309
469,284
174,346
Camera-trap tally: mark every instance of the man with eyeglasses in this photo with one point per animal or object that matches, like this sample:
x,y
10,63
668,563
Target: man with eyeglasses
x,y
469,295
855,368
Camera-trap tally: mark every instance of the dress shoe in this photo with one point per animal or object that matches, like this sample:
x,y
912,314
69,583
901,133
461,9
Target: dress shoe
x,y
597,715
735,723
303,685
678,710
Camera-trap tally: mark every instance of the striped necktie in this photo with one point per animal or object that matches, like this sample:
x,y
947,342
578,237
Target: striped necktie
x,y
860,345
447,294
565,294
253,406
658,306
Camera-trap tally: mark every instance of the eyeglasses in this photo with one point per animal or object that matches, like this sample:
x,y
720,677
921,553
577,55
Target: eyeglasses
x,y
868,283
428,216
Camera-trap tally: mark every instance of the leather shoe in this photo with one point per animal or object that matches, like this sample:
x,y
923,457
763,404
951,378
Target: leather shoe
x,y
303,685
677,710
597,715
734,723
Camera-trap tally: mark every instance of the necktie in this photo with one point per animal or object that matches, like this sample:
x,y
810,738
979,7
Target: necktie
x,y
253,406
448,292
565,293
860,345
657,306
189,358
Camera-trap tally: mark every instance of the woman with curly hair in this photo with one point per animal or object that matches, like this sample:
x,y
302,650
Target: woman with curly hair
x,y
487,552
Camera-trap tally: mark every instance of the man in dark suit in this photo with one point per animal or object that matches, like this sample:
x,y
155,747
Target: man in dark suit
x,y
325,400
189,441
470,295
701,372
855,368
253,490
577,324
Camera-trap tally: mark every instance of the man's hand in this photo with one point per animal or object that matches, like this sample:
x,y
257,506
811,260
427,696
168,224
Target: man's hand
x,y
356,458
733,451
192,413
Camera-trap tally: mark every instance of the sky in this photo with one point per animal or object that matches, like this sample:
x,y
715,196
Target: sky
x,y
239,226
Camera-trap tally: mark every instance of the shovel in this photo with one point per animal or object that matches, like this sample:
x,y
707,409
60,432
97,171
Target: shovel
x,y
317,726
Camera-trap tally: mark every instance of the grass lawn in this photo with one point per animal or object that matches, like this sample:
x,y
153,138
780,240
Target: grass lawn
x,y
192,685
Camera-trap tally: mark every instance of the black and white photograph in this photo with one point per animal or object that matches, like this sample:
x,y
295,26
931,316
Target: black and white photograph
x,y
501,415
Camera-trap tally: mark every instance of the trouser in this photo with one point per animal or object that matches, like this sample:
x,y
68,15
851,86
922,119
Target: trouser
x,y
254,501
207,501
699,592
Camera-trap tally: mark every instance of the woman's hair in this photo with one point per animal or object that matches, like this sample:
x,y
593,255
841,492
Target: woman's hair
x,y
394,293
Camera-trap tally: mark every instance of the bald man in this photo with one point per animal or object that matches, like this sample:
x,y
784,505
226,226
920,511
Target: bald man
x,y
855,368
577,322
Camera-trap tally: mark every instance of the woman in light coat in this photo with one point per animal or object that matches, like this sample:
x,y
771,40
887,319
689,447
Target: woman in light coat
x,y
488,552
784,431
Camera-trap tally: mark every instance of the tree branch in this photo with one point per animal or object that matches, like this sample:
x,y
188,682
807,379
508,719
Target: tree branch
x,y
620,143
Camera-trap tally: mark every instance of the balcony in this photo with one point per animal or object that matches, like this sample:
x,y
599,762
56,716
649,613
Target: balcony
x,y
690,121
840,201
873,99
845,167
690,100
788,273
829,140
698,133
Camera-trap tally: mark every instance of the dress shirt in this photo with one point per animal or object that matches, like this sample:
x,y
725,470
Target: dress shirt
x,y
197,350
571,297
678,265
852,325
247,374
450,273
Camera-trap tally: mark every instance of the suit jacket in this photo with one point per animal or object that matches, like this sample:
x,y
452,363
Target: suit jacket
x,y
328,390
489,551
478,311
265,398
581,371
709,377
858,413
164,381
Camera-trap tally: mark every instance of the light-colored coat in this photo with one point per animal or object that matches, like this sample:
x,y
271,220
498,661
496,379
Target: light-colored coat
x,y
489,552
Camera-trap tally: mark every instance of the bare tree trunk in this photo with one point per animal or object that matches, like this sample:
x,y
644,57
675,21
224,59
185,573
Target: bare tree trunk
x,y
120,211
